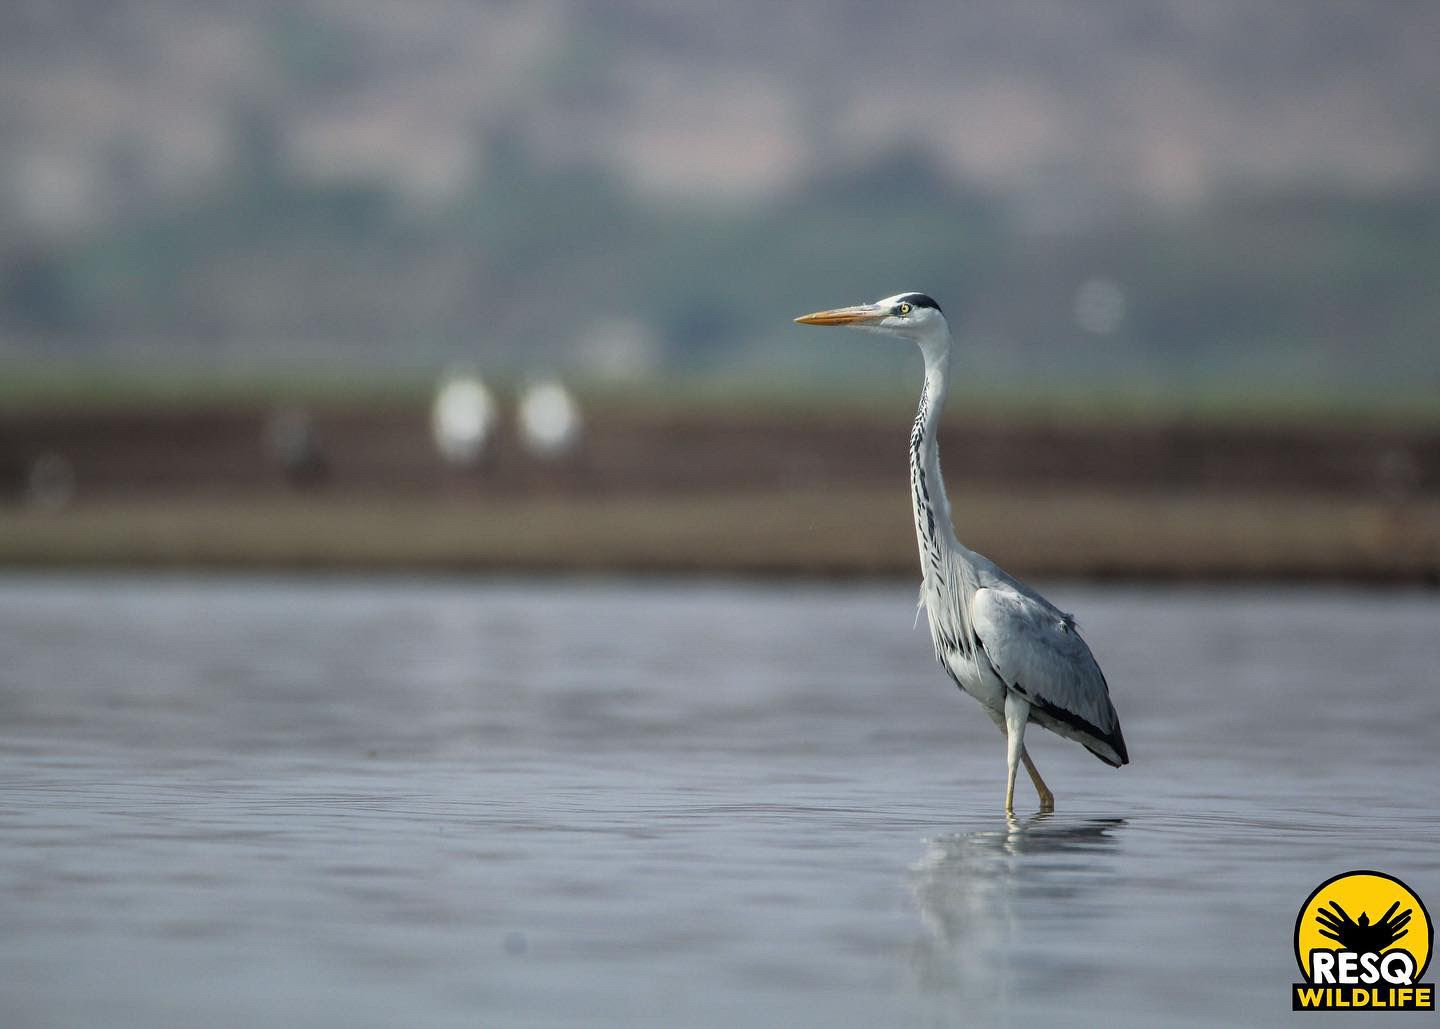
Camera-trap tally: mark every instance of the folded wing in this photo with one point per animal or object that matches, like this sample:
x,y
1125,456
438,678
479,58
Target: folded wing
x,y
1037,652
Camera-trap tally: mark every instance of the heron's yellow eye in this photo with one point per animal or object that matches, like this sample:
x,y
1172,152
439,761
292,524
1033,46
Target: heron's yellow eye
x,y
903,310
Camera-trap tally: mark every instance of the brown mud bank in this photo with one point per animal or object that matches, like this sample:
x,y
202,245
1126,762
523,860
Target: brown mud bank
x,y
715,493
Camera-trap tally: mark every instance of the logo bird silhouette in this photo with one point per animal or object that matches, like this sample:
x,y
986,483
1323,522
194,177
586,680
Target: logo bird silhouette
x,y
1364,936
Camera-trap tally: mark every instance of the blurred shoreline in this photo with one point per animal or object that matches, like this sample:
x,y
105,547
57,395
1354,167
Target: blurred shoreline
x,y
720,492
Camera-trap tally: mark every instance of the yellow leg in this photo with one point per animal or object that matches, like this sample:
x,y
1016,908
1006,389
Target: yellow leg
x,y
1047,799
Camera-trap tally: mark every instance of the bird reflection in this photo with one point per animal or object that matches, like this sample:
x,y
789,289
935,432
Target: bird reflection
x,y
1007,907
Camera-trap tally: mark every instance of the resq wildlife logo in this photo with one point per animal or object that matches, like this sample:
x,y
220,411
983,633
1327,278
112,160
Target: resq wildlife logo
x,y
1363,942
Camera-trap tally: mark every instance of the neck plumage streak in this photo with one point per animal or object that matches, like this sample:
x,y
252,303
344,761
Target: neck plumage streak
x,y
932,563
920,494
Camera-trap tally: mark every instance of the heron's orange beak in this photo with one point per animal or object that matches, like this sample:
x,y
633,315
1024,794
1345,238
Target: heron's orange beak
x,y
858,315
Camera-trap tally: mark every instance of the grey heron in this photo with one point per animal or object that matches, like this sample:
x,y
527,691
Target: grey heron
x,y
1001,642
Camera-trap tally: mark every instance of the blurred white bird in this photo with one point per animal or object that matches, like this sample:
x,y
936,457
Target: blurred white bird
x,y
462,419
550,422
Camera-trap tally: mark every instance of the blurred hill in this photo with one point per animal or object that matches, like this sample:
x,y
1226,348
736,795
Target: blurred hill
x,y
1235,193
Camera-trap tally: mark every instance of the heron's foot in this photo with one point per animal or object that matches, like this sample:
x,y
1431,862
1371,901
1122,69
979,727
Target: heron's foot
x,y
1047,802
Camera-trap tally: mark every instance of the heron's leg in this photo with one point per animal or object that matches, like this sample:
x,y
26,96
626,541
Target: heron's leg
x,y
1017,713
1047,799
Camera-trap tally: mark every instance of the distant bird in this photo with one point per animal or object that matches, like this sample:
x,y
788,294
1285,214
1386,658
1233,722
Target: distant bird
x,y
293,444
462,419
1003,643
550,423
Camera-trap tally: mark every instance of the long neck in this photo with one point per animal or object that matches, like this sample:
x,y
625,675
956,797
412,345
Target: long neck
x,y
933,529
949,570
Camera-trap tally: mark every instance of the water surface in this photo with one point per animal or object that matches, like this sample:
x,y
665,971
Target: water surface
x,y
358,803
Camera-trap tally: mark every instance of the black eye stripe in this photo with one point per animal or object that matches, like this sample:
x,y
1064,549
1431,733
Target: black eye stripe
x,y
920,300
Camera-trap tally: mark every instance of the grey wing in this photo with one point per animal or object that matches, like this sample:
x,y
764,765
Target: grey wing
x,y
1037,652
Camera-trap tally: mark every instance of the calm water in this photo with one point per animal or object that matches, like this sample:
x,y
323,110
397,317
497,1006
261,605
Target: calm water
x,y
238,803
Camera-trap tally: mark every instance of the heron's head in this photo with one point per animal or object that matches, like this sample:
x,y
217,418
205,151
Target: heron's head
x,y
912,316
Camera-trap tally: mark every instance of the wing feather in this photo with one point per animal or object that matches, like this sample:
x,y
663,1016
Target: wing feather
x,y
1037,652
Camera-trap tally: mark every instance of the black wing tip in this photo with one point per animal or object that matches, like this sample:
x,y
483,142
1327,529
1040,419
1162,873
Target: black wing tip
x,y
1114,739
1108,759
1124,757
1116,743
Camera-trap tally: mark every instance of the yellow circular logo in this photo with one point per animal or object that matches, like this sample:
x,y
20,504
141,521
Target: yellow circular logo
x,y
1367,935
